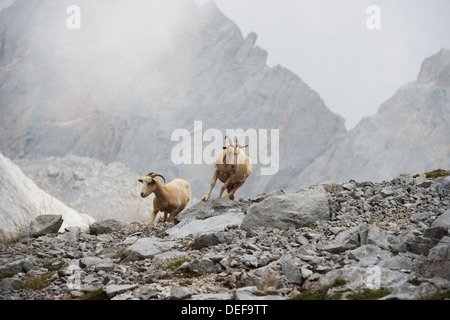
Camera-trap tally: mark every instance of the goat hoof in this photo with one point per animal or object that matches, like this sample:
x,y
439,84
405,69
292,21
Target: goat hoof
x,y
205,198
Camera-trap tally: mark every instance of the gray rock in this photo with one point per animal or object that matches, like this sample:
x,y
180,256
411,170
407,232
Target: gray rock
x,y
296,209
212,239
387,192
445,183
437,263
11,283
211,208
290,267
378,237
202,265
264,277
214,224
347,240
115,289
147,248
45,224
253,293
90,261
443,220
14,266
213,296
106,226
417,244
179,293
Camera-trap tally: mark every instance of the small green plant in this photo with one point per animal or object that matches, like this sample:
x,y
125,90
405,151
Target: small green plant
x,y
437,173
98,294
394,251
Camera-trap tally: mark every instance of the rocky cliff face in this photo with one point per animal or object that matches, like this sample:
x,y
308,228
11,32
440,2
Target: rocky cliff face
x,y
116,89
410,133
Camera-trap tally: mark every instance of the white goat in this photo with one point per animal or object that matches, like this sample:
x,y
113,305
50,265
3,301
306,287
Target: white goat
x,y
232,167
170,198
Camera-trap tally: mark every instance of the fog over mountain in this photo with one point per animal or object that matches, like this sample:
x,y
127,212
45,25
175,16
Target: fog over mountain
x,y
409,134
118,88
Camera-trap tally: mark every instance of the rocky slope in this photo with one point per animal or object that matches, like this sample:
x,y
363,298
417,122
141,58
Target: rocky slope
x,y
90,186
116,89
22,200
410,133
363,240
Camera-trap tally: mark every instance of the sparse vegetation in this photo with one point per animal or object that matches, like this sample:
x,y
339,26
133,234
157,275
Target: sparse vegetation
x,y
437,173
174,263
37,282
98,294
441,295
7,274
368,294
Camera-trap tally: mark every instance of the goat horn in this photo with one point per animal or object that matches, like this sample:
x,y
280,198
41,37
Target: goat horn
x,y
229,139
158,175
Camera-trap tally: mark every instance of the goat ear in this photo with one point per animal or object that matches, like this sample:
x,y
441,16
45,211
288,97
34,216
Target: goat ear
x,y
141,181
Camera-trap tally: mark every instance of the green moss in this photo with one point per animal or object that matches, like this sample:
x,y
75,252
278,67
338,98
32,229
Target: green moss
x,y
368,294
437,173
98,294
394,251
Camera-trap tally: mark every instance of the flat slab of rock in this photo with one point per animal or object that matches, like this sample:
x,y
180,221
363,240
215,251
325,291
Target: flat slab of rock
x,y
106,226
147,248
213,207
115,289
296,209
212,224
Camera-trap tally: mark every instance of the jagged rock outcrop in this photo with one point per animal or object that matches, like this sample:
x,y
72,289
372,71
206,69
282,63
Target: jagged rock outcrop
x,y
410,133
116,89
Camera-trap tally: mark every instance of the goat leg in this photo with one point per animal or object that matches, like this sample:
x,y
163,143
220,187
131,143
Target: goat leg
x,y
153,216
225,185
213,184
233,190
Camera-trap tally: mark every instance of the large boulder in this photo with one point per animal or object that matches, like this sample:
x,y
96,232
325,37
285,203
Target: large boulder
x,y
148,248
194,227
437,263
41,226
294,209
214,207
